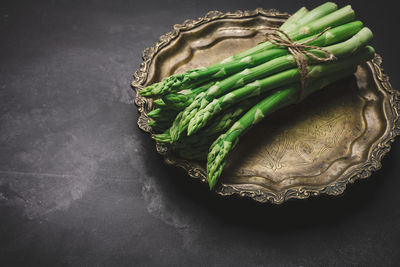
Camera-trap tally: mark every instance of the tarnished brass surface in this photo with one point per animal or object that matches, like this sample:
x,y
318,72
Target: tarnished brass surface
x,y
332,138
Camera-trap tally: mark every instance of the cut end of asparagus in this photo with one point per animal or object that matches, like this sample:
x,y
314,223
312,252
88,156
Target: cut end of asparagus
x,y
329,4
349,10
300,12
292,20
318,12
367,34
336,18
326,6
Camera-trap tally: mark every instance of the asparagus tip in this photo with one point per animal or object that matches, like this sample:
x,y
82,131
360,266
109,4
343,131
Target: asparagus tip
x,y
151,122
211,183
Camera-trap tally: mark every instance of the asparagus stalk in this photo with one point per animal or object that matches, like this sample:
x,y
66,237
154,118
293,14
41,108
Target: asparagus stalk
x,y
169,84
175,82
339,50
226,142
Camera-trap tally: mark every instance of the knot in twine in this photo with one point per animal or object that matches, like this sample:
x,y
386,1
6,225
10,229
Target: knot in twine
x,y
299,52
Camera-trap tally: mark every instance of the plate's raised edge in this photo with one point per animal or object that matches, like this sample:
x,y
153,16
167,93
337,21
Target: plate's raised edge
x,y
362,171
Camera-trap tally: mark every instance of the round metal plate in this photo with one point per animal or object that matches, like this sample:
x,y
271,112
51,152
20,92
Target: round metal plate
x,y
332,138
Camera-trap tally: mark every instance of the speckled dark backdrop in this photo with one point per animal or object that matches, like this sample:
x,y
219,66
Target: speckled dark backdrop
x,y
81,185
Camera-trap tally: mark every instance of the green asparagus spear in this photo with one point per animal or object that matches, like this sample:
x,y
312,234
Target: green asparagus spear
x,y
177,82
339,50
225,143
169,84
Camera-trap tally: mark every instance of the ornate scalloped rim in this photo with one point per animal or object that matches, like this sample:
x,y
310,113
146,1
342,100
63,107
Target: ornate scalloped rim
x,y
361,171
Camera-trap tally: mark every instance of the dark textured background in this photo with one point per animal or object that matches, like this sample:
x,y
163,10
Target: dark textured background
x,y
80,184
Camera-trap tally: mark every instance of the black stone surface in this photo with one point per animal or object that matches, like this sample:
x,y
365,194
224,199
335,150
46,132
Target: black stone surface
x,y
81,185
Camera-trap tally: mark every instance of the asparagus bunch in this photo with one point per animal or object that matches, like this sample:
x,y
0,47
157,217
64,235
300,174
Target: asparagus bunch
x,y
206,110
246,59
223,87
340,50
304,25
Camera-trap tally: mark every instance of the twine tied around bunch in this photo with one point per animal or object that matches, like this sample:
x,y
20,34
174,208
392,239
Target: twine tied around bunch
x,y
298,51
